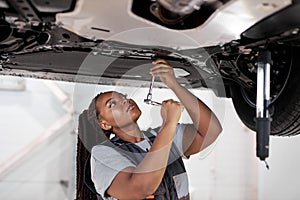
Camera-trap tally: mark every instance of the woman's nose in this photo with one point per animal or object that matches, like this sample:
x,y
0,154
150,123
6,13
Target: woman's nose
x,y
125,101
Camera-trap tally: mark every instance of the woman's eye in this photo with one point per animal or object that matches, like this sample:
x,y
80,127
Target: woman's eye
x,y
112,104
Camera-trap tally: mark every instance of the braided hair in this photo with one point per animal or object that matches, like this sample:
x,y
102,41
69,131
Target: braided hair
x,y
89,134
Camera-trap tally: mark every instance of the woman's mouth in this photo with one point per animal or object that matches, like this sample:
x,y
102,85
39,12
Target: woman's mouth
x,y
130,107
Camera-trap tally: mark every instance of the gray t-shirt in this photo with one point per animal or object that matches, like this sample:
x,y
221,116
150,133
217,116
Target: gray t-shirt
x,y
106,162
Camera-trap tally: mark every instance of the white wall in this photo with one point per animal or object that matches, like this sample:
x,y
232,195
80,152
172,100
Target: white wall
x,y
36,144
282,181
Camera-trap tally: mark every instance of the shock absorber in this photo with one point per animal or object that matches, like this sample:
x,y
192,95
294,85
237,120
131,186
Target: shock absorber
x,y
263,118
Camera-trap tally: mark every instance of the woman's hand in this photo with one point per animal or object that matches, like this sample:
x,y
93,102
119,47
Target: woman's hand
x,y
164,71
170,111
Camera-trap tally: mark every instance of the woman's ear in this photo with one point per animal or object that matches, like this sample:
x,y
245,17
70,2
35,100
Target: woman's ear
x,y
105,125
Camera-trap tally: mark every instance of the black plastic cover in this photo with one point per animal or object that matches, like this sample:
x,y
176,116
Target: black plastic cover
x,y
275,24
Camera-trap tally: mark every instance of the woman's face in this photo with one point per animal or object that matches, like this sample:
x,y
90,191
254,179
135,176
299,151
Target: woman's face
x,y
116,110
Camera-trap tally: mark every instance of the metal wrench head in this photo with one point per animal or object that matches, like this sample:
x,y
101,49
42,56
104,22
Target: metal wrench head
x,y
153,103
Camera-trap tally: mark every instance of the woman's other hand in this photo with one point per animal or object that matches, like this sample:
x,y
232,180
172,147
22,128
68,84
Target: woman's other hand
x,y
170,111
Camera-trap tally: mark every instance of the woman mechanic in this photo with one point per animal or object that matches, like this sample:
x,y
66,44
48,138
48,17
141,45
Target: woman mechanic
x,y
137,164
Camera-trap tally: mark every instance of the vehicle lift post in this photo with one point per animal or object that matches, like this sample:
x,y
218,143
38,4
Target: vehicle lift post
x,y
263,118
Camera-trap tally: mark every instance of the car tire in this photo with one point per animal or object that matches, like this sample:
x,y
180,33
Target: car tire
x,y
285,110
